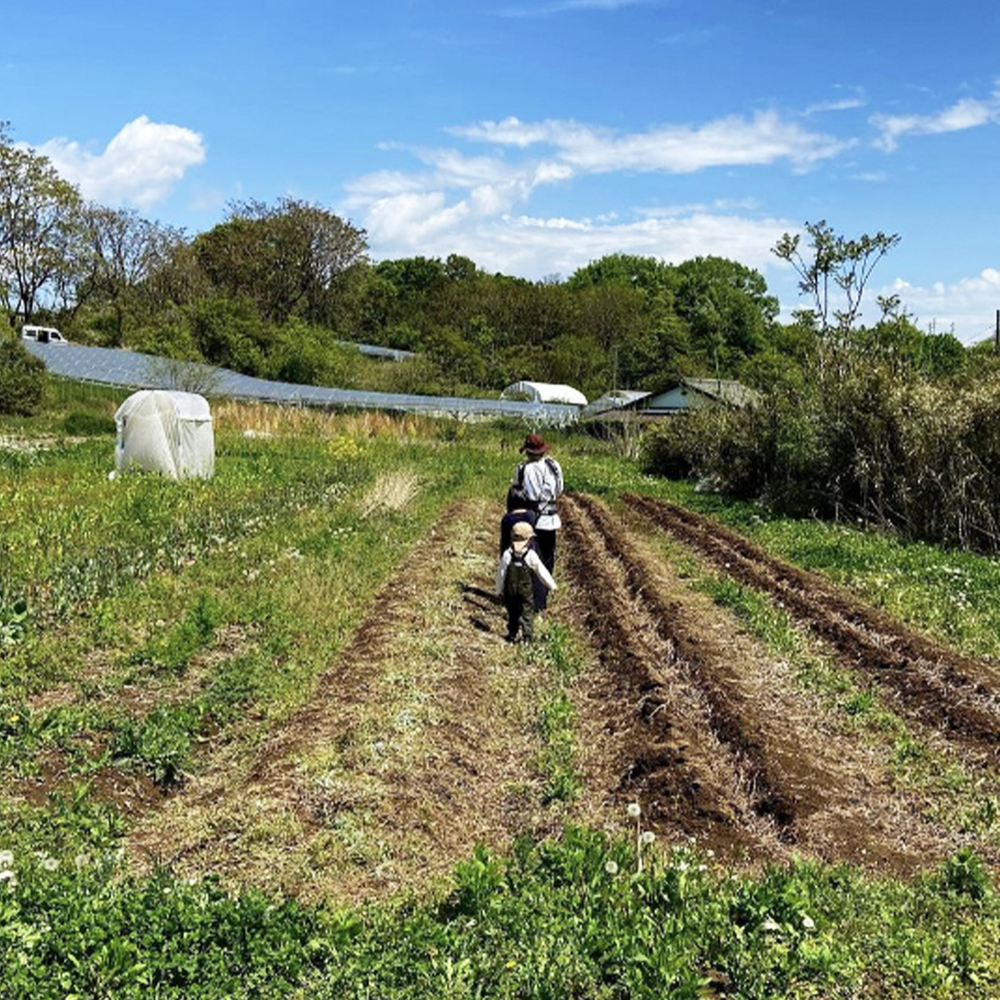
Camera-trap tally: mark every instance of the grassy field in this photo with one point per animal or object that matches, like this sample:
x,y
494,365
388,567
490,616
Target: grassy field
x,y
259,737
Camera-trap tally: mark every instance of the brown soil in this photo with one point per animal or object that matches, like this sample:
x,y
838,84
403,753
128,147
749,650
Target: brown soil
x,y
722,745
420,739
938,687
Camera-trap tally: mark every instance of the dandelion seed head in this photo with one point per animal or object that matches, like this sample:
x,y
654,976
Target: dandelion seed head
x,y
634,810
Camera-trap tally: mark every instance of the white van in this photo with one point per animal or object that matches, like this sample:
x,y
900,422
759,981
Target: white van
x,y
43,335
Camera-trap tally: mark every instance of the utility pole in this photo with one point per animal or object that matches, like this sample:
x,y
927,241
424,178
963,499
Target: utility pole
x,y
996,336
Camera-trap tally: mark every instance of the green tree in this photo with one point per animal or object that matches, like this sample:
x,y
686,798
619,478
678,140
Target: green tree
x,y
835,267
647,274
22,378
41,248
125,251
286,258
230,333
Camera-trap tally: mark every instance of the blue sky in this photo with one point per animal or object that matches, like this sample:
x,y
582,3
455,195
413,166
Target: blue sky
x,y
536,135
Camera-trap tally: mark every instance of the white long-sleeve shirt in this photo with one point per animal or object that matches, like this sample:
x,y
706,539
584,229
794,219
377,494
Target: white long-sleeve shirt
x,y
542,481
532,561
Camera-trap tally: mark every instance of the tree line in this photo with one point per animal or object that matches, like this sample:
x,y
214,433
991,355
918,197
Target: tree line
x,y
275,288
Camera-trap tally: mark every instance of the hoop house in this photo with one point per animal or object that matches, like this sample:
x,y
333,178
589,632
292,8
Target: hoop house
x,y
166,432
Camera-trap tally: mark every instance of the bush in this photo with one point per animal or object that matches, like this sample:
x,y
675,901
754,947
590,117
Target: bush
x,y
861,442
22,379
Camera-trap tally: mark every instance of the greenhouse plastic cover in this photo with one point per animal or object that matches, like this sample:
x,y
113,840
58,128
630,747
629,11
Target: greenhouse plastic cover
x,y
129,369
545,392
166,432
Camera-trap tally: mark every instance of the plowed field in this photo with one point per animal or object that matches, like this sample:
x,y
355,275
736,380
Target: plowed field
x,y
422,738
724,744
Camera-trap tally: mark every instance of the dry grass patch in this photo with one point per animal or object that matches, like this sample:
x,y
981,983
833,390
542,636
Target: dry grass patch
x,y
392,492
273,420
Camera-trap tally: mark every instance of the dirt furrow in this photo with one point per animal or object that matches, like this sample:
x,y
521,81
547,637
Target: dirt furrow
x,y
727,705
414,746
685,775
935,686
791,766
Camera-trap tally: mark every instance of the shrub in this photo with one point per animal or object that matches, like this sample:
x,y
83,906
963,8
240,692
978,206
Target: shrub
x,y
860,441
22,379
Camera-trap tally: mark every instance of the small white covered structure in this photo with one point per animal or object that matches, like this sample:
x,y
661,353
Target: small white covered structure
x,y
544,392
167,432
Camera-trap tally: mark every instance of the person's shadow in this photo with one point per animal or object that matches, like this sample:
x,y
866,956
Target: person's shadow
x,y
479,600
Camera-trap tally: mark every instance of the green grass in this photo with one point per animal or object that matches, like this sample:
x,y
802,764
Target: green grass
x,y
173,612
568,917
559,654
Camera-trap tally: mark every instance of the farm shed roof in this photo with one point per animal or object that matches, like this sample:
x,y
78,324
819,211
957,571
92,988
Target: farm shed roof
x,y
613,400
544,392
688,393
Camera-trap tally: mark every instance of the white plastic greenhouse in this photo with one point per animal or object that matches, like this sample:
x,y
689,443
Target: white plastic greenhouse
x,y
166,432
544,392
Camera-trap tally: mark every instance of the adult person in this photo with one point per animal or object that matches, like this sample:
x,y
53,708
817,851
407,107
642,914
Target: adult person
x,y
541,478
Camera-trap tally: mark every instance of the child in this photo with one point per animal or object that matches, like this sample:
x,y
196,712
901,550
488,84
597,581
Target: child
x,y
519,567
519,508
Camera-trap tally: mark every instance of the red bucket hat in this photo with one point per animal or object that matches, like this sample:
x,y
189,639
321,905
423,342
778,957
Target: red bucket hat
x,y
534,444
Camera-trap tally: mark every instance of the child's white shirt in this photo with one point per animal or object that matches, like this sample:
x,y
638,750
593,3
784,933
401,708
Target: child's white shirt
x,y
532,561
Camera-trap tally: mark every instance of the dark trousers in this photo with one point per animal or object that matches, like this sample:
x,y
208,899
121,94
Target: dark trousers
x,y
518,599
546,542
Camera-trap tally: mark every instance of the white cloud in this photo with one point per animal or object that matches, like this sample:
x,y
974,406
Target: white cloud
x,y
412,221
966,307
385,183
139,167
478,205
965,114
534,246
844,104
457,170
718,205
677,149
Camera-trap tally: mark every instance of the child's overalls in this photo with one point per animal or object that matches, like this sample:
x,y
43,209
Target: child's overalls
x,y
519,598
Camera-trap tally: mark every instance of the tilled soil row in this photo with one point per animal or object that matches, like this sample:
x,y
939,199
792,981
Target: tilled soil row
x,y
728,706
935,686
784,776
685,779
